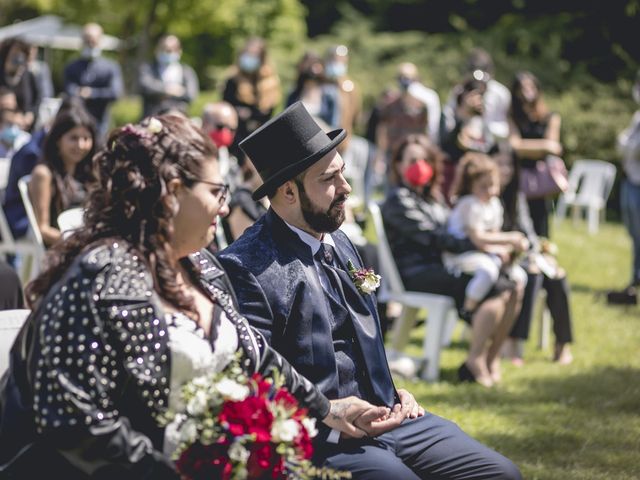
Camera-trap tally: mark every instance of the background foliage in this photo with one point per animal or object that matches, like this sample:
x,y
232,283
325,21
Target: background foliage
x,y
586,54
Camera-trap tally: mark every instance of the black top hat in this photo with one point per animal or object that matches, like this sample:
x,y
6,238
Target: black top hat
x,y
287,145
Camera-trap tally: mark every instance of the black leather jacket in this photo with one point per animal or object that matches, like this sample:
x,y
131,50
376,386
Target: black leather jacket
x,y
90,371
417,231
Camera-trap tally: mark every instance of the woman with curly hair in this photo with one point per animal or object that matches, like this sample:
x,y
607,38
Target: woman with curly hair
x,y
129,309
59,181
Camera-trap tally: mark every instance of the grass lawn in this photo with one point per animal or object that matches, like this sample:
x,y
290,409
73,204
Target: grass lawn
x,y
580,421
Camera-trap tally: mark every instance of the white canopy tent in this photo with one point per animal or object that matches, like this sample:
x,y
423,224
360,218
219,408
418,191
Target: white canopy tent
x,y
50,31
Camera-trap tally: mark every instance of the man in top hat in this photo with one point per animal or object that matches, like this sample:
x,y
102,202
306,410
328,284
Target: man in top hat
x,y
290,271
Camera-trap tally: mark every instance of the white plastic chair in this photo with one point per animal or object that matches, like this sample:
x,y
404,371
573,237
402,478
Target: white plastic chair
x,y
441,310
69,220
30,251
11,322
34,229
5,165
590,183
356,158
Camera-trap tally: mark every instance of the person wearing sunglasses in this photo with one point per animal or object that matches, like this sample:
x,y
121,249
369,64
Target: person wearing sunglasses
x,y
220,124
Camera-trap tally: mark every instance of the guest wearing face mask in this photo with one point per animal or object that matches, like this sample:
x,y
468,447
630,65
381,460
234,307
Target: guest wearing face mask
x,y
319,97
253,88
93,78
402,115
220,123
166,84
12,137
336,67
15,75
415,219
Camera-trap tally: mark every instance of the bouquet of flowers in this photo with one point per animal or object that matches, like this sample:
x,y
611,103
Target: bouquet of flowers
x,y
243,427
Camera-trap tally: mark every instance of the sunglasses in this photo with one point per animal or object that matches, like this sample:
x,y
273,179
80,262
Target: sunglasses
x,y
220,126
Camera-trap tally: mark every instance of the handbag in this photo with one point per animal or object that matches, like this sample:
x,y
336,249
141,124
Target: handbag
x,y
547,178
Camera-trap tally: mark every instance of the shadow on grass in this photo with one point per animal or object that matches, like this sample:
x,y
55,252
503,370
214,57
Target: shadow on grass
x,y
604,389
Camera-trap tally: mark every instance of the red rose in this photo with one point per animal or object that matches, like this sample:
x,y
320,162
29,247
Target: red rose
x,y
248,416
260,459
264,387
200,462
302,442
284,397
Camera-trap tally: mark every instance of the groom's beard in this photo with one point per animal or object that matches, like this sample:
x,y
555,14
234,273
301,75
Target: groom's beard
x,y
319,220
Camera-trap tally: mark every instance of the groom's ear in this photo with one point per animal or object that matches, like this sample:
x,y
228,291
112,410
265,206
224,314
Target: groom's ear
x,y
289,192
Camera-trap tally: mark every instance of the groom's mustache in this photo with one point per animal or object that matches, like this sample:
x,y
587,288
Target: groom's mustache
x,y
341,199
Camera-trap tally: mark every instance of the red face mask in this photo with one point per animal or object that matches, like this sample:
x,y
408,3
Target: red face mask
x,y
419,173
222,137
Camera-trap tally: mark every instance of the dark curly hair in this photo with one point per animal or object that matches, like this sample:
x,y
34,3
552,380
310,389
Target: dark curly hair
x,y
129,200
434,157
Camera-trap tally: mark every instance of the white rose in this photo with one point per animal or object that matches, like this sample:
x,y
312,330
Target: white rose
x,y
371,283
198,404
238,453
232,390
189,432
310,425
285,431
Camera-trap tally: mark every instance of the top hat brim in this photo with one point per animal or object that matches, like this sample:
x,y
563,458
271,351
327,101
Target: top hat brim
x,y
272,183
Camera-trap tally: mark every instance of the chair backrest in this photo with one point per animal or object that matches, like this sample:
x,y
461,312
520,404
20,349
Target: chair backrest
x,y
387,262
356,158
23,186
591,181
11,322
5,165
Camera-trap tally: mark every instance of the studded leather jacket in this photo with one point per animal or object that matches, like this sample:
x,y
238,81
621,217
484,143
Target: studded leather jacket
x,y
90,371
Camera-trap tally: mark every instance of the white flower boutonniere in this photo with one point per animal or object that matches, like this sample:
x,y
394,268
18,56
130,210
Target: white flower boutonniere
x,y
365,279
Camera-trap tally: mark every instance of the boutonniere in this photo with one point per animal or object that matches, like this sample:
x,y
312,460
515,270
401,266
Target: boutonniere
x,y
365,279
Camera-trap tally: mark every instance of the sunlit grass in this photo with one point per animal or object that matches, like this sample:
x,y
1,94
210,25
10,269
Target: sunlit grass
x,y
580,421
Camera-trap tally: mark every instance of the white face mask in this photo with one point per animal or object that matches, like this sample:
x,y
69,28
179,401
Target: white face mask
x,y
91,52
249,63
335,70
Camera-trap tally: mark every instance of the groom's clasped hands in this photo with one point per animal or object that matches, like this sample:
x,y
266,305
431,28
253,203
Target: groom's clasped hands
x,y
357,418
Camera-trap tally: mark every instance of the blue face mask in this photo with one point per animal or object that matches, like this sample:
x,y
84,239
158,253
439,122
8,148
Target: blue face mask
x,y
335,70
19,60
9,134
167,58
248,63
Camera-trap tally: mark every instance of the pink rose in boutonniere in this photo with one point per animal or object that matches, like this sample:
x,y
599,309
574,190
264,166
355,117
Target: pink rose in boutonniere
x,y
365,279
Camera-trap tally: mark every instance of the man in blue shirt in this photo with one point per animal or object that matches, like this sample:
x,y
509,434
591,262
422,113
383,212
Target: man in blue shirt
x,y
95,79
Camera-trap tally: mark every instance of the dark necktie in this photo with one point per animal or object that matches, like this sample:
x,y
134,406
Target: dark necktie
x,y
325,256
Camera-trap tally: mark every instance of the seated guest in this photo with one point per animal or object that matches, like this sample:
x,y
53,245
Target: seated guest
x,y
12,136
220,123
244,211
11,292
129,310
59,181
22,163
478,215
415,217
291,271
543,270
